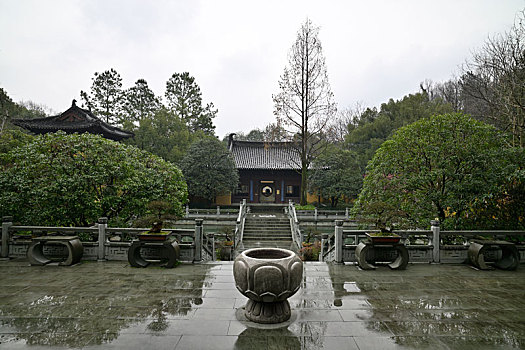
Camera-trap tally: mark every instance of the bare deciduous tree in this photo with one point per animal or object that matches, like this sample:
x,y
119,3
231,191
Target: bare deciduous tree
x,y
448,91
305,103
345,121
494,81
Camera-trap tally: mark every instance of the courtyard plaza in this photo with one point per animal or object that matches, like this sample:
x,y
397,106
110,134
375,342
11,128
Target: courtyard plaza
x,y
110,305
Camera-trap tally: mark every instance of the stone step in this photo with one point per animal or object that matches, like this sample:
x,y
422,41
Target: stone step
x,y
288,231
267,234
267,230
259,217
265,223
266,217
266,244
251,239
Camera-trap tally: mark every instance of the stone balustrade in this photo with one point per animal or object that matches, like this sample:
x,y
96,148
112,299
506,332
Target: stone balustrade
x,y
102,243
424,246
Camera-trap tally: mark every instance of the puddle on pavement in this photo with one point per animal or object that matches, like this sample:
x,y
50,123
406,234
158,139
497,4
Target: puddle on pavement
x,y
373,305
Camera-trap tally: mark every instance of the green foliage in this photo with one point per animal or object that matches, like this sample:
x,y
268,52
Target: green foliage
x,y
12,138
311,235
374,127
438,167
304,207
209,169
157,213
336,173
163,131
165,135
139,103
105,98
23,110
273,132
185,101
65,180
504,208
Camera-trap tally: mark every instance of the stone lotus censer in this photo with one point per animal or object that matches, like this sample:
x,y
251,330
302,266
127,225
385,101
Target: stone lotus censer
x,y
268,277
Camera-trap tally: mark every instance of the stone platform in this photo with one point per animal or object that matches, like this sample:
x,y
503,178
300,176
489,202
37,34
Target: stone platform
x,y
110,305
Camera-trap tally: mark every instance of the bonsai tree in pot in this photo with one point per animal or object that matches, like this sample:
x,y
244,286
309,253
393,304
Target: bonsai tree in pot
x,y
159,212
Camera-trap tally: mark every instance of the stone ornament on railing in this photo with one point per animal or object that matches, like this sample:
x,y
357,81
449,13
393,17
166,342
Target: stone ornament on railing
x,y
509,259
36,256
7,222
169,253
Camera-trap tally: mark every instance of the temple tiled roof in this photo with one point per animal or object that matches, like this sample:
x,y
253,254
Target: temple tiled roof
x,y
75,119
265,155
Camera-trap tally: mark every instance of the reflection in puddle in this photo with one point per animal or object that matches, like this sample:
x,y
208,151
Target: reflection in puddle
x,y
428,307
280,338
94,314
351,287
454,310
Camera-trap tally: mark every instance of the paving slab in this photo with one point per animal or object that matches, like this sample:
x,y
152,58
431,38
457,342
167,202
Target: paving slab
x,y
110,305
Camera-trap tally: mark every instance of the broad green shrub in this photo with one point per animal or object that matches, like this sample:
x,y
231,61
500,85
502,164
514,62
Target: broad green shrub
x,y
449,167
71,180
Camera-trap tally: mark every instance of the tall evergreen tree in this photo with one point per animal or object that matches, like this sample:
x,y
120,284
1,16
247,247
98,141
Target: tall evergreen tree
x,y
139,103
105,98
184,99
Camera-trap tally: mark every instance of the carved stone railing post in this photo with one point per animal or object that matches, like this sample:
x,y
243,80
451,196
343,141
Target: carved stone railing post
x,y
198,240
347,213
324,238
338,241
7,222
211,239
436,240
187,211
218,211
315,214
102,225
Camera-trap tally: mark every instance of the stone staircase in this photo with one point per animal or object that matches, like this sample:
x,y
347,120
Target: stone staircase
x,y
266,230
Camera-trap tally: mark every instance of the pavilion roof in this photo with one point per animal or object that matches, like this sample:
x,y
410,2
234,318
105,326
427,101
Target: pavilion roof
x,y
265,155
75,119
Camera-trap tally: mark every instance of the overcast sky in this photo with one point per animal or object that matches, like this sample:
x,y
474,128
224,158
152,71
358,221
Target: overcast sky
x,y
236,50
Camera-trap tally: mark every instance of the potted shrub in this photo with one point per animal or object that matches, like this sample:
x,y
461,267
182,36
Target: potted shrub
x,y
226,243
383,237
159,212
155,233
225,250
310,251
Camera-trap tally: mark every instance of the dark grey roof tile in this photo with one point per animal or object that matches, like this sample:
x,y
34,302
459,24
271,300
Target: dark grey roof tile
x,y
265,155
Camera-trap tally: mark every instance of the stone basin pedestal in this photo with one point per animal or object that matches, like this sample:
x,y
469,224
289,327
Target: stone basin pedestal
x,y
268,277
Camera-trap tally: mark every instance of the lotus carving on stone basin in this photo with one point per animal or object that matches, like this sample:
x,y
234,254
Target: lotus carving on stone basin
x,y
268,277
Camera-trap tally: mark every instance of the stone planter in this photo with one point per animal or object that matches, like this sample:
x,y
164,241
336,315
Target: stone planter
x,y
381,239
154,237
268,277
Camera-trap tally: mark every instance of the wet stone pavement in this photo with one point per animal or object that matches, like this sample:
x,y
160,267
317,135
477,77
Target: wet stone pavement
x,y
111,305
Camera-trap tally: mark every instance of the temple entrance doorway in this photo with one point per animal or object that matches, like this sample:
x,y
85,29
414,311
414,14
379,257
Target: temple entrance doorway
x,y
267,192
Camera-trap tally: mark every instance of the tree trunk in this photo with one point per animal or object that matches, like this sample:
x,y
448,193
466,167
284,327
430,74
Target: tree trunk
x,y
304,184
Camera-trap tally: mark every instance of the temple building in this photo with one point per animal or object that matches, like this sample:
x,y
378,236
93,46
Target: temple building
x,y
75,119
269,172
